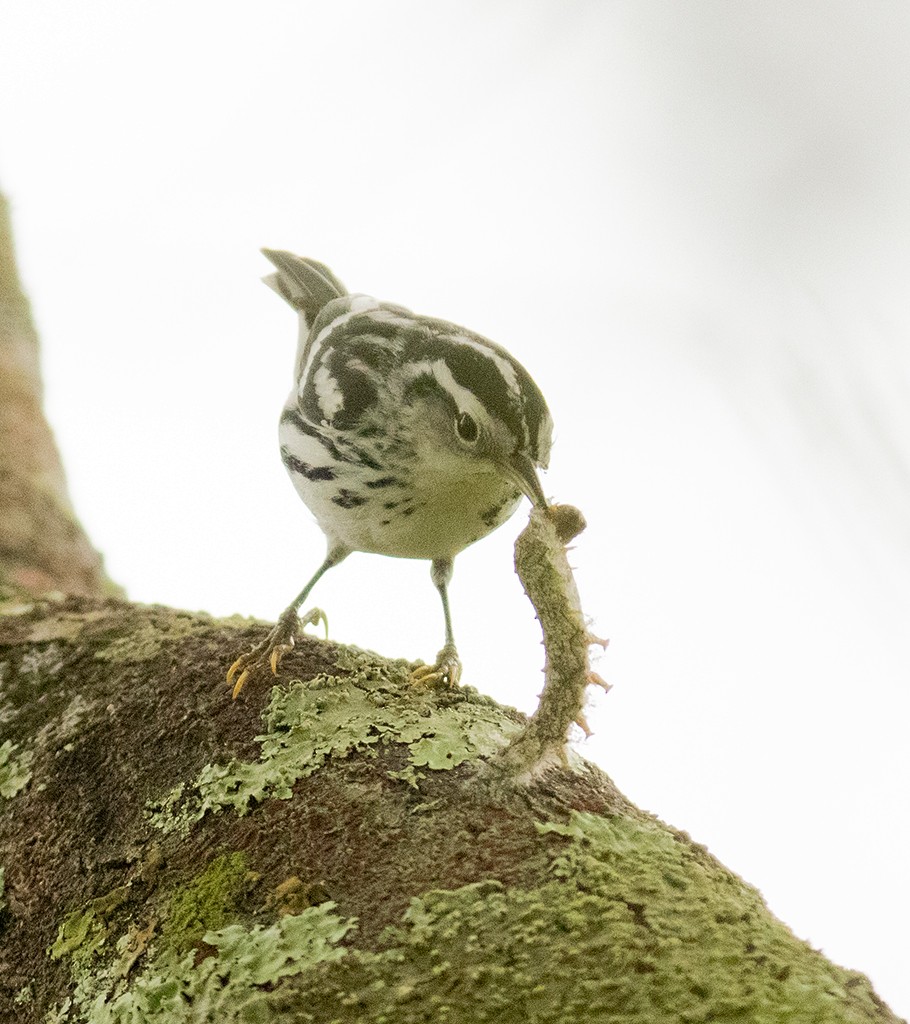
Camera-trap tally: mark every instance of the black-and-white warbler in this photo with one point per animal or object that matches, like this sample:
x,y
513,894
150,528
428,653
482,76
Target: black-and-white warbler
x,y
404,436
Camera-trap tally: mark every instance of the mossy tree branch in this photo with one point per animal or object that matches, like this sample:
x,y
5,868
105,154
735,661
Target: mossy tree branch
x,y
340,848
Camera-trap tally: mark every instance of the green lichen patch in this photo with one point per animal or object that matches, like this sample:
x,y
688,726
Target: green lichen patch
x,y
66,626
628,928
112,630
83,932
15,769
235,983
333,715
24,996
205,903
41,662
60,731
632,923
48,620
145,637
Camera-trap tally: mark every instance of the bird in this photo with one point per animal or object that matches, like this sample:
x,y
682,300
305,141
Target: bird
x,y
404,435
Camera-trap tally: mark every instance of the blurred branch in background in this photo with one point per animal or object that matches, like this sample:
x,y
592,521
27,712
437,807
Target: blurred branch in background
x,y
776,151
42,545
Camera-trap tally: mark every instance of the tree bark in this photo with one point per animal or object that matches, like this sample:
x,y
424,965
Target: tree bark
x,y
42,545
339,846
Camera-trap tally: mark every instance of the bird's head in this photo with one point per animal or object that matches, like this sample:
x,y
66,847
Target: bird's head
x,y
479,409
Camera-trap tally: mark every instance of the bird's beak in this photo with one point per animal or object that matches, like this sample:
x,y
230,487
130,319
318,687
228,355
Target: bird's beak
x,y
524,474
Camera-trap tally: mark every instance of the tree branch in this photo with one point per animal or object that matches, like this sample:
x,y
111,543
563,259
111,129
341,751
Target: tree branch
x,y
42,545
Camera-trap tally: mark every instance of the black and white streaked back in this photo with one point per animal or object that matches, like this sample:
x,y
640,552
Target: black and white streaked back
x,y
355,351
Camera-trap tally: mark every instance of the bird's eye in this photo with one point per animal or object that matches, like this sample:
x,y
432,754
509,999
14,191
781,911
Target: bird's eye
x,y
466,426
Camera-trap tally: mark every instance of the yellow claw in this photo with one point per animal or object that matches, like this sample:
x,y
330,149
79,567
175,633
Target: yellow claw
x,y
422,674
447,669
238,686
280,651
271,650
234,669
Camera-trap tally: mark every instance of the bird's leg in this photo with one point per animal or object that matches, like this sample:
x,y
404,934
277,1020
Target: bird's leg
x,y
280,640
448,666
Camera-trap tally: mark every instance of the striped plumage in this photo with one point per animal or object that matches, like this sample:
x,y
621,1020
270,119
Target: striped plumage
x,y
403,434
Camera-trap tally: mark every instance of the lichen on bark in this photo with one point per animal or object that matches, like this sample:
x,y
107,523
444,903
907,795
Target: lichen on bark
x,y
365,888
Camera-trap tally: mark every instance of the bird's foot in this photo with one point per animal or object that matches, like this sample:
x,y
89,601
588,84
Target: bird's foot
x,y
446,670
276,645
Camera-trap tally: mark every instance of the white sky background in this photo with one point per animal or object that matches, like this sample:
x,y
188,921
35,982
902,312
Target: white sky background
x,y
689,221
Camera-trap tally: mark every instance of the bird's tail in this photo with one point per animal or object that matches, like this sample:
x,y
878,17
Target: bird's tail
x,y
305,284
